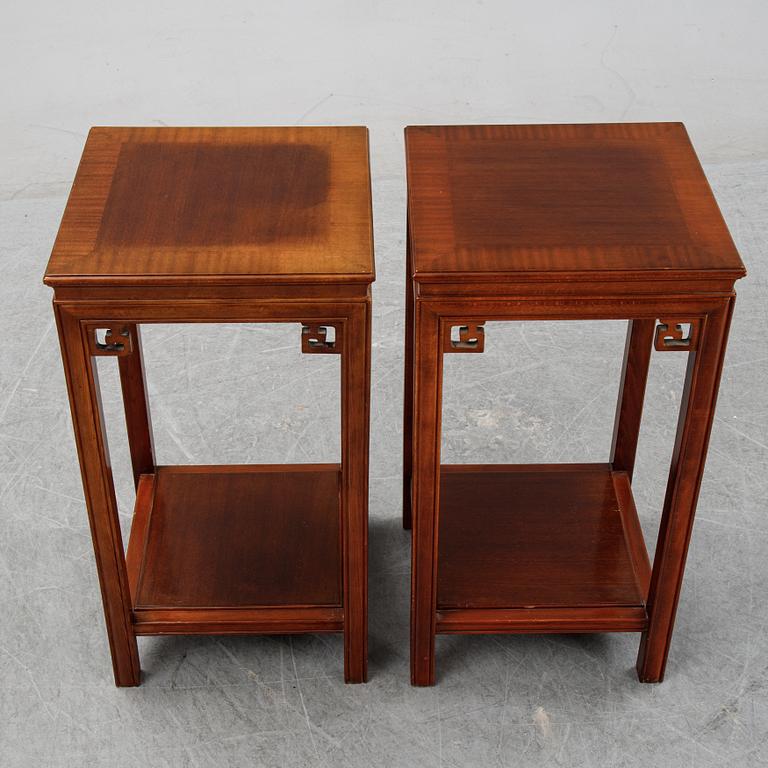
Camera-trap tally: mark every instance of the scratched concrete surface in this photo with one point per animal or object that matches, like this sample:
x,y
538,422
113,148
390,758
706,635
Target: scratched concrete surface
x,y
541,392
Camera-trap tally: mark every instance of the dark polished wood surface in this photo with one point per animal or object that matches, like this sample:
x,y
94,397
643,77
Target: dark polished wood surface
x,y
518,536
563,222
180,206
551,199
226,536
200,195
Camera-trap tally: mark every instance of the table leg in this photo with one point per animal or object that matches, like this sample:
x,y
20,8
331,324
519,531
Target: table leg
x,y
634,374
705,362
428,371
137,419
408,389
93,453
356,393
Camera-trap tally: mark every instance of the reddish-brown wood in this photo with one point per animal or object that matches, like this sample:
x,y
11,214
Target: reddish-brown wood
x,y
427,403
355,407
409,383
541,619
221,225
202,206
137,541
558,223
697,411
136,407
99,490
553,199
629,410
517,536
270,192
253,620
633,532
231,536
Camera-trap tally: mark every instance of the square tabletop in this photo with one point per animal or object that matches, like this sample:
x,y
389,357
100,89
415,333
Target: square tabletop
x,y
507,201
185,206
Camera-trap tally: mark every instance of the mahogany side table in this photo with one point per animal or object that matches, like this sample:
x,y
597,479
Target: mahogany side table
x,y
235,225
557,222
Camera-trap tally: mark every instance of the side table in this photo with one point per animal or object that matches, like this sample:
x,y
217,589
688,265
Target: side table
x,y
557,222
235,225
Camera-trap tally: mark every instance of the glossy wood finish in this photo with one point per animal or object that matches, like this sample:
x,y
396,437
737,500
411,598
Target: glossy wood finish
x,y
517,536
93,453
236,206
233,536
427,404
221,225
553,199
557,223
355,438
629,410
409,384
697,411
269,193
136,406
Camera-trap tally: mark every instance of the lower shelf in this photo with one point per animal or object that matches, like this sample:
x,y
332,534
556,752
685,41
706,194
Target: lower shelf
x,y
539,548
237,549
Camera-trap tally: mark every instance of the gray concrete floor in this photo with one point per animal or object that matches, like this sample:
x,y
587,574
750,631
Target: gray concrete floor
x,y
542,392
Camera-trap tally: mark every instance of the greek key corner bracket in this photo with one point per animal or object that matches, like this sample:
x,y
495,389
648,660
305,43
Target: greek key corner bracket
x,y
464,338
113,341
316,339
677,336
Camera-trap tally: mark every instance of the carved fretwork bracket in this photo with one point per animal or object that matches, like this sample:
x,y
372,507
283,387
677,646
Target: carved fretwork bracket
x,y
315,341
471,338
674,336
116,341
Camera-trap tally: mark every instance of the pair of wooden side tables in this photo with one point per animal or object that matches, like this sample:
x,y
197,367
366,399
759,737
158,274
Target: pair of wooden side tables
x,y
548,222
